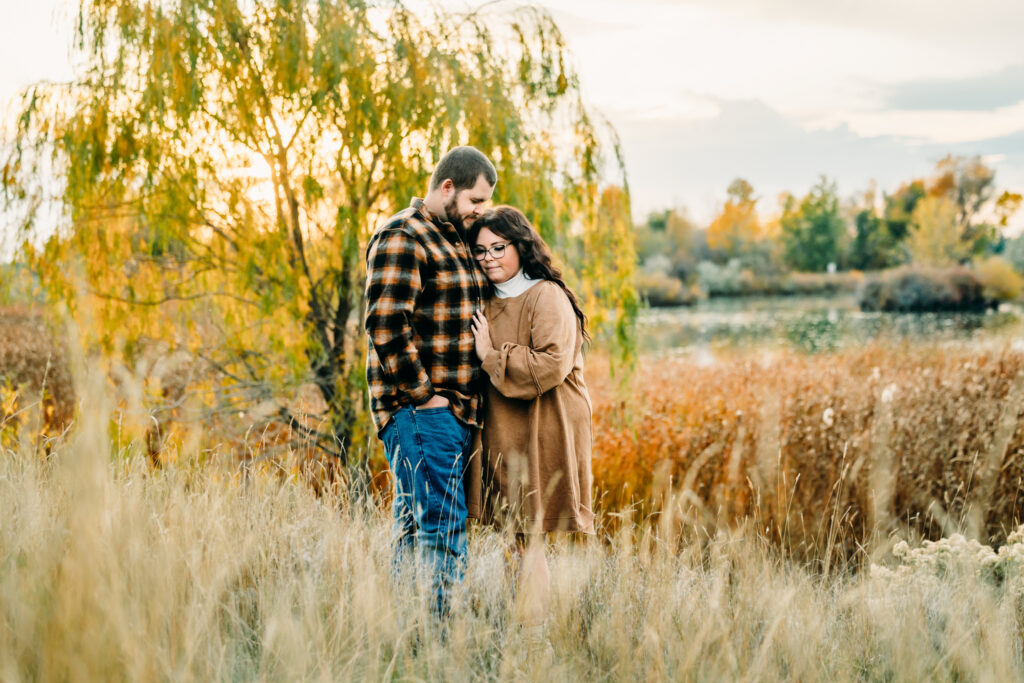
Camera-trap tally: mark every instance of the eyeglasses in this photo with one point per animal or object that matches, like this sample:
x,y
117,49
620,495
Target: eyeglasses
x,y
496,252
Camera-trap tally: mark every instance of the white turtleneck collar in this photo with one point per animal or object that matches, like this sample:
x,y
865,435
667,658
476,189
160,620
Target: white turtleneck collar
x,y
514,286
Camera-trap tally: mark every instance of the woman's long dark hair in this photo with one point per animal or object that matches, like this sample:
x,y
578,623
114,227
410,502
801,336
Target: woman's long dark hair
x,y
509,223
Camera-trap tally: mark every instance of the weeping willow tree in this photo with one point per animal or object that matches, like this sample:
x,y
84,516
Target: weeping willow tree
x,y
221,163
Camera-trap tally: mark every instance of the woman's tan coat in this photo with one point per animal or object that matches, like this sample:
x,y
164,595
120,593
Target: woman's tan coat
x,y
534,468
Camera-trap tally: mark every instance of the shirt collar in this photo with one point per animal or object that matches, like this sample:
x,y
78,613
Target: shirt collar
x,y
419,205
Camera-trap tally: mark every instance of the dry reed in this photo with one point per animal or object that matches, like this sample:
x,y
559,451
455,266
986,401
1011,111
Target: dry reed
x,y
821,453
112,570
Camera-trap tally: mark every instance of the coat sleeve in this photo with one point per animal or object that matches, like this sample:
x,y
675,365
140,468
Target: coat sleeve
x,y
393,284
526,372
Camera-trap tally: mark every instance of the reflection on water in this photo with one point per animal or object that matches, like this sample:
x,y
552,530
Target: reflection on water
x,y
813,325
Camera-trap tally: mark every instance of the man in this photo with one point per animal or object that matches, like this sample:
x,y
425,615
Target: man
x,y
421,292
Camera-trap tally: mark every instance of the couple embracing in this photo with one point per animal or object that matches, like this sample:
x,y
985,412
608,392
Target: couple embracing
x,y
475,370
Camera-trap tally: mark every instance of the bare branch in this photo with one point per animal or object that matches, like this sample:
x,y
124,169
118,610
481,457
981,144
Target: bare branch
x,y
169,298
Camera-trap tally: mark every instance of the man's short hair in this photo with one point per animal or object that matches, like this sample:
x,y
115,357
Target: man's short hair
x,y
463,165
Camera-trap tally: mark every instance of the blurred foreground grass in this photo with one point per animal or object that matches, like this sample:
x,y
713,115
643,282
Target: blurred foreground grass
x,y
111,569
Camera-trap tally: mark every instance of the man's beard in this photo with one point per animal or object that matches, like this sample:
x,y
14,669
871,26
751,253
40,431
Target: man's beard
x,y
452,212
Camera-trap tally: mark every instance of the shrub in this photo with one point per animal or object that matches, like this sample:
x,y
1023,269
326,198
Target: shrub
x,y
1000,282
808,284
917,289
35,371
661,289
1014,253
728,280
734,280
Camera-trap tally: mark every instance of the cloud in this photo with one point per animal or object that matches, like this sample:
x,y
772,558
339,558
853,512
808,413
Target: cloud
x,y
934,126
582,22
687,162
1005,153
988,91
992,23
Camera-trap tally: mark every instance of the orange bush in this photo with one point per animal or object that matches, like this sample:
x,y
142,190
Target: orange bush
x,y
35,375
817,450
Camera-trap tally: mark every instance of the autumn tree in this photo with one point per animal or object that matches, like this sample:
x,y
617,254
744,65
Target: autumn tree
x,y
869,248
874,244
609,251
737,225
219,164
899,207
812,229
959,191
1007,205
671,238
967,181
1013,249
935,236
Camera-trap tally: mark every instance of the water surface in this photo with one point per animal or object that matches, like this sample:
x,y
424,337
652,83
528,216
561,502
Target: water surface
x,y
814,324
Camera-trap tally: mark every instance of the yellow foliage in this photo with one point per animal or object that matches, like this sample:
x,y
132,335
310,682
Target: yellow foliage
x,y
230,225
608,273
1001,282
737,225
1006,206
935,236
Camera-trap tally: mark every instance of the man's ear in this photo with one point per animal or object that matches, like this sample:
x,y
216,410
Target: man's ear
x,y
447,188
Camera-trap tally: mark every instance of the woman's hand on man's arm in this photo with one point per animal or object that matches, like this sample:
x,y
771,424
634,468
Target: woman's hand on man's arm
x,y
482,335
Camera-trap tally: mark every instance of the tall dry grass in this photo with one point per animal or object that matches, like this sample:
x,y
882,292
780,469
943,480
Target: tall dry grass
x,y
36,387
110,569
824,454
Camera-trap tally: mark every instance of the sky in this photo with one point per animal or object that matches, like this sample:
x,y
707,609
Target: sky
x,y
867,93
782,92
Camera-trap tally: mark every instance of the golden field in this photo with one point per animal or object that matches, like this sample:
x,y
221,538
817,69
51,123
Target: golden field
x,y
763,543
820,453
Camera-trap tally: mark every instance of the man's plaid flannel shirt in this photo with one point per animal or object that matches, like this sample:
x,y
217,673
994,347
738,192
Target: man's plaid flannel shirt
x,y
422,288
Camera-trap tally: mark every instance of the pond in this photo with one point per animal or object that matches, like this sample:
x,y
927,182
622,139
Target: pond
x,y
813,325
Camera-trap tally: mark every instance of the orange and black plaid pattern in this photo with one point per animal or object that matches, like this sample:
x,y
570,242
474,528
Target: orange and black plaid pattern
x,y
422,288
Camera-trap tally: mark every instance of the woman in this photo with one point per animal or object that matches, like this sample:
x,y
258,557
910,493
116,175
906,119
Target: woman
x,y
536,439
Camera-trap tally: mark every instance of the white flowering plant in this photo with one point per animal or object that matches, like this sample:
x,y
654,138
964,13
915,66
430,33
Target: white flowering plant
x,y
958,555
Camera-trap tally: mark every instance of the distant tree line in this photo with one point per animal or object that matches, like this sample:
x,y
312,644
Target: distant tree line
x,y
954,217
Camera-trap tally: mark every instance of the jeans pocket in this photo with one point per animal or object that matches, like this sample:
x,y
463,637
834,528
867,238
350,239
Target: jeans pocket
x,y
442,438
440,430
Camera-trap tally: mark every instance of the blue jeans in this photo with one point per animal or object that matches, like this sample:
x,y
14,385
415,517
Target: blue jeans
x,y
424,451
